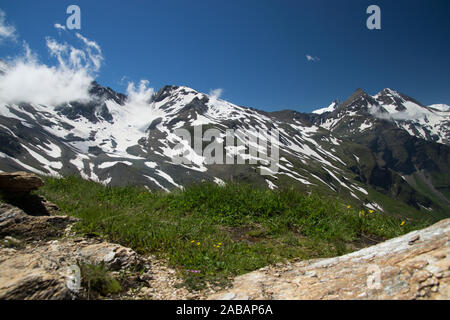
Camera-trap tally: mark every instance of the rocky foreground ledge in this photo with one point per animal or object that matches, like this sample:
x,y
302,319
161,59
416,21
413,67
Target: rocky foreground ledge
x,y
39,255
413,266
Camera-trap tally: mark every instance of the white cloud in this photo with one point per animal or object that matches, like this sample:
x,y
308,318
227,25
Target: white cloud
x,y
89,43
138,109
311,58
29,80
215,94
94,51
122,80
59,26
412,115
141,95
6,31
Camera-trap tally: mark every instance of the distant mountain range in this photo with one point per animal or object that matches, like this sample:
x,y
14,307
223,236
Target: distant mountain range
x,y
385,152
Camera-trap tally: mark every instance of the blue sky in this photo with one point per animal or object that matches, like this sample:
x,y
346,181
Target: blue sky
x,y
254,50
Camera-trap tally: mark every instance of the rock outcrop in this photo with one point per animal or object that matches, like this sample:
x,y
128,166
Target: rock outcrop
x,y
413,266
40,257
19,182
36,262
16,223
16,188
49,271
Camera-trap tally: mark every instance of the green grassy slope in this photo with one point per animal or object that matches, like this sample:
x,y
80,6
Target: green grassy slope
x,y
211,233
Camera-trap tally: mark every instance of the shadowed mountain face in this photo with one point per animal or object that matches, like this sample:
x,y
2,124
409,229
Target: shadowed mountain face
x,y
385,152
401,134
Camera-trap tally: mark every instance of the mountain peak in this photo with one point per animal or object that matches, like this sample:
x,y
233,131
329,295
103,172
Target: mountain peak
x,y
169,90
359,94
163,93
101,93
389,91
390,94
330,108
394,101
359,91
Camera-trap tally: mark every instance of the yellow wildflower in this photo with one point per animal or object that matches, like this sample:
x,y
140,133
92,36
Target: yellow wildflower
x,y
403,223
198,243
349,206
371,211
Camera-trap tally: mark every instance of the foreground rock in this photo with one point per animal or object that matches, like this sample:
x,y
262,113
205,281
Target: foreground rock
x,y
16,188
40,258
16,223
19,182
49,271
35,265
413,266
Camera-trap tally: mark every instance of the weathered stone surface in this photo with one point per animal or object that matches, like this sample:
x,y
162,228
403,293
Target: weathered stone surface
x,y
35,265
19,182
114,256
43,272
15,188
16,223
30,276
39,268
413,266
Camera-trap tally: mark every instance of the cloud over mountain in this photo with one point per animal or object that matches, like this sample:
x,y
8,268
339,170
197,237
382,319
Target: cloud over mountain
x,y
29,80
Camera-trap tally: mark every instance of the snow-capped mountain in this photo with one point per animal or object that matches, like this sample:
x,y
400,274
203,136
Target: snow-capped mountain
x,y
330,108
431,123
440,107
115,140
409,141
97,138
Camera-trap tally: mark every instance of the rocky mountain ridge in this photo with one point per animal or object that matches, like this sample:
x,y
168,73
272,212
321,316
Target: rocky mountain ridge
x,y
429,123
